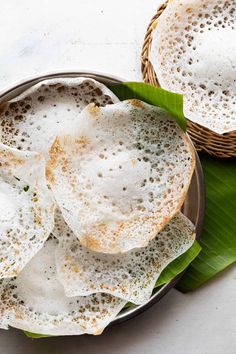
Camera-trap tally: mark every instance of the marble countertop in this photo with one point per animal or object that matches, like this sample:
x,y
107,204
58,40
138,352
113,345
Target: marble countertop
x,y
106,36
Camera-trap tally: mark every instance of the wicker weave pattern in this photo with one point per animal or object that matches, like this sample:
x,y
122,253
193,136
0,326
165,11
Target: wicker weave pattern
x,y
204,139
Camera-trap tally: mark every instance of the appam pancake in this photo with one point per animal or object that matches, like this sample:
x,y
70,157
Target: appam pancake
x,y
121,174
32,120
193,52
26,208
35,301
131,275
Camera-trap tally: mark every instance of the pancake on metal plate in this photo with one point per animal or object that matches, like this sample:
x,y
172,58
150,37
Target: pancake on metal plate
x,y
32,120
131,275
26,208
121,174
35,301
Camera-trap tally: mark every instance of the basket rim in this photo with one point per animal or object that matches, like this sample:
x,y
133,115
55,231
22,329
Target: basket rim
x,y
206,140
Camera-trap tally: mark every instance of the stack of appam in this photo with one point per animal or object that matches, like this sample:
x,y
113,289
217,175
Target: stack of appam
x,y
193,52
90,195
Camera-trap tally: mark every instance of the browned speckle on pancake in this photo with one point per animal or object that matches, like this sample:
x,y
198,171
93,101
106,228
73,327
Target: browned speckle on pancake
x,y
12,159
91,243
83,141
93,110
136,103
49,174
55,153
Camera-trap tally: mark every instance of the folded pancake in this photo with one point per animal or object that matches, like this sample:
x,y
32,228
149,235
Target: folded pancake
x,y
131,275
193,52
32,120
26,208
121,176
35,301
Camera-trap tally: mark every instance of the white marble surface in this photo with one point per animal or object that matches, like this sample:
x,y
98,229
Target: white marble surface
x,y
106,36
101,35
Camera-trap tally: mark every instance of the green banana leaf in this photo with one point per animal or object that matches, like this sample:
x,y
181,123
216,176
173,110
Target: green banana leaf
x,y
218,239
171,102
178,265
35,335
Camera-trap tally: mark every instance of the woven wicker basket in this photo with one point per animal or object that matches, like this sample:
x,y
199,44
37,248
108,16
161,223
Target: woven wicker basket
x,y
204,139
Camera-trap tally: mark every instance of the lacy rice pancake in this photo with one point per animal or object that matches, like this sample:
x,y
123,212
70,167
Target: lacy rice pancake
x,y
131,275
193,52
121,175
35,301
26,209
32,120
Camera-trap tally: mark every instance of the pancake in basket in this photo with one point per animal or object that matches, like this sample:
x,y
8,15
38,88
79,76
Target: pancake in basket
x,y
193,52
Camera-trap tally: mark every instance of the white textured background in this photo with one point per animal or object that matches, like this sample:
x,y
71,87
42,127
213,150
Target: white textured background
x,y
106,36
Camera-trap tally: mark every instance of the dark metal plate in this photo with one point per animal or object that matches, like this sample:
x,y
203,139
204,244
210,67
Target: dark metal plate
x,y
194,204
